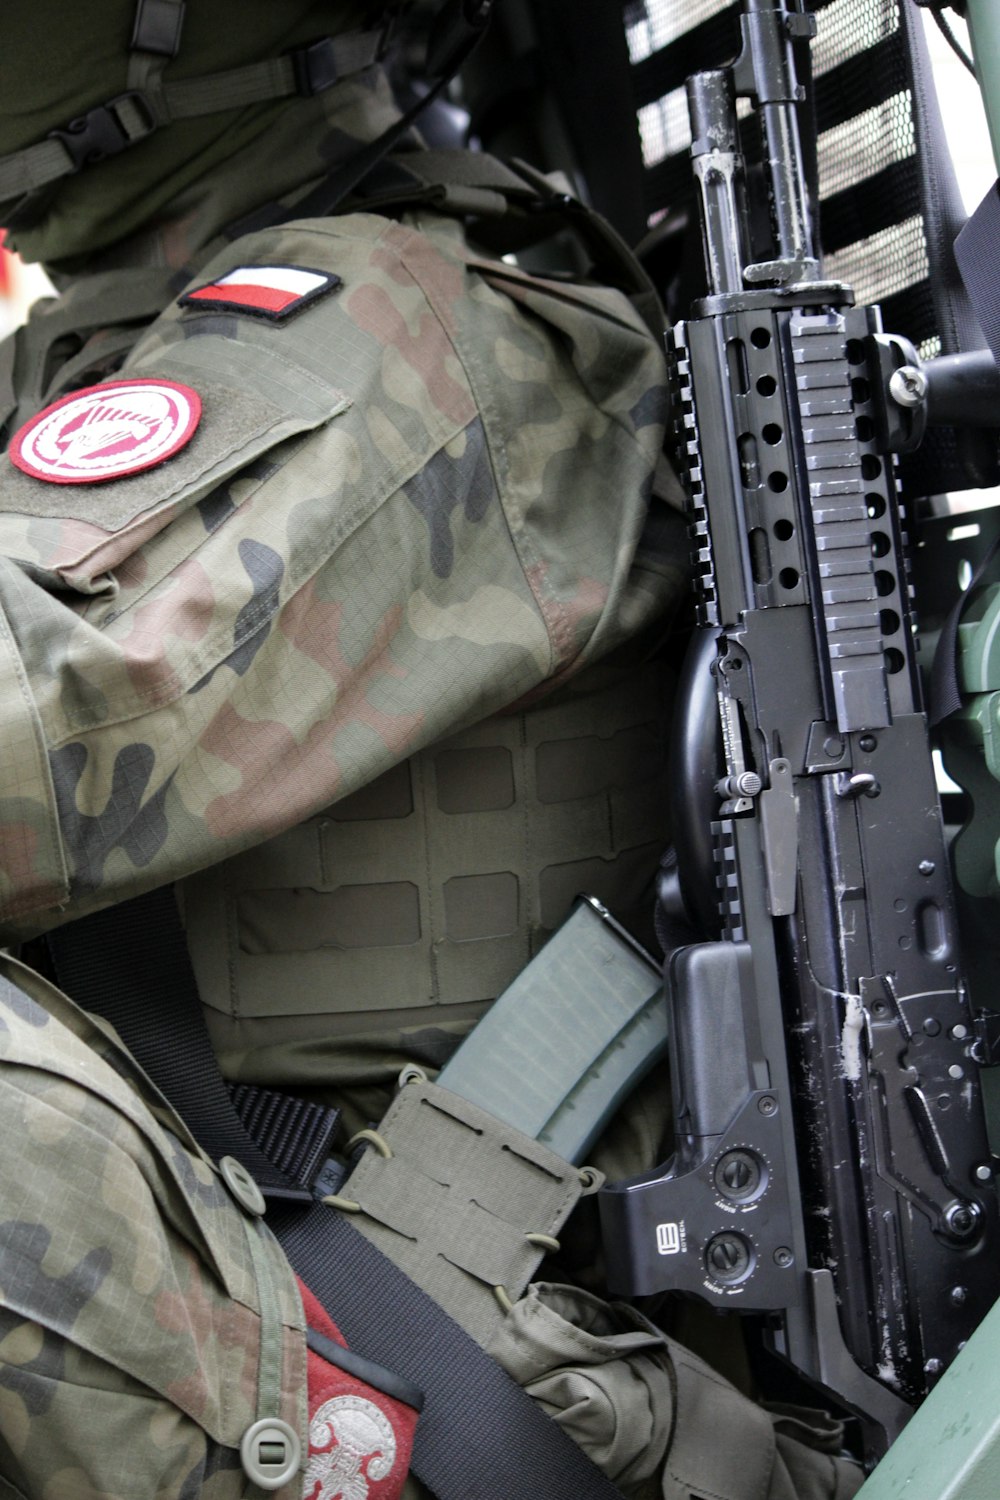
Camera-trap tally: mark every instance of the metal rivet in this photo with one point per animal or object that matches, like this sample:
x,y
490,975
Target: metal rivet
x,y
955,1072
867,743
932,1026
242,1186
270,1451
926,867
984,1173
959,1032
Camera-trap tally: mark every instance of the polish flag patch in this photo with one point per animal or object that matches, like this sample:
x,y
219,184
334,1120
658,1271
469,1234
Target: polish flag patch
x,y
274,292
107,431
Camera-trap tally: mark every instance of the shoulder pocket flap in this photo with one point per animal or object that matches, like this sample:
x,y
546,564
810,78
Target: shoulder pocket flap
x,y
252,400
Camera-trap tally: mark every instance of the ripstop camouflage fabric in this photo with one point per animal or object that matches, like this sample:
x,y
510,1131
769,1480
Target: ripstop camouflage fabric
x,y
135,1305
402,511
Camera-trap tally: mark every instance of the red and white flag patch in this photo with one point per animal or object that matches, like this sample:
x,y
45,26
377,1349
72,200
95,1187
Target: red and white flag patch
x,y
107,431
263,291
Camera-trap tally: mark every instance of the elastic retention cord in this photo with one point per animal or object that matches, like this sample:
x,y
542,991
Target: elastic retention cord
x,y
373,1138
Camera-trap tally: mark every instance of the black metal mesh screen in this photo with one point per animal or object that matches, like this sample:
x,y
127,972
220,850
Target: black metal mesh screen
x,y
872,230
871,222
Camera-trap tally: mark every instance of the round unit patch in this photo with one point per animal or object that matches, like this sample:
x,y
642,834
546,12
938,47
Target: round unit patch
x,y
107,431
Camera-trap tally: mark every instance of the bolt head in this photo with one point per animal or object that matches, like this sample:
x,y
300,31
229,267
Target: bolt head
x,y
962,1219
908,386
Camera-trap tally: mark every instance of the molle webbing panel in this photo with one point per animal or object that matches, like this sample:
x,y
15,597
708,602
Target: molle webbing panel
x,y
434,885
454,1203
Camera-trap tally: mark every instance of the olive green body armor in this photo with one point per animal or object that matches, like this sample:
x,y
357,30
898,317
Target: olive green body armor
x,y
414,902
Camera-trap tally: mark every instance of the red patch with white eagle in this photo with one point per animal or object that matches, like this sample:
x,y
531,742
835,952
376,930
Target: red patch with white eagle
x,y
273,292
107,431
360,1431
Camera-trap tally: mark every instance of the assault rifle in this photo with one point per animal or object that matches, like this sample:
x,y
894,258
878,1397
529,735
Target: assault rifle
x,y
831,1167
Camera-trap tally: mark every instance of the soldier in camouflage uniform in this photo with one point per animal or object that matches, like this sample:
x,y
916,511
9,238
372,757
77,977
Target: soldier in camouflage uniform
x,y
261,661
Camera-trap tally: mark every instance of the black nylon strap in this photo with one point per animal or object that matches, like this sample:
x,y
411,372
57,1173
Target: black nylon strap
x,y
130,965
480,1436
294,1134
977,251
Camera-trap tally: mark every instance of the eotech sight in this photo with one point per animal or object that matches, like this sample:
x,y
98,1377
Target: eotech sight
x,y
831,1166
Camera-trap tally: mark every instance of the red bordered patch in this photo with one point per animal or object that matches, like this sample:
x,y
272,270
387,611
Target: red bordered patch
x,y
107,431
273,292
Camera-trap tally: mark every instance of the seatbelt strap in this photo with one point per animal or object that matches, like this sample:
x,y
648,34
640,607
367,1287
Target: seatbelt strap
x,y
480,1436
130,964
977,251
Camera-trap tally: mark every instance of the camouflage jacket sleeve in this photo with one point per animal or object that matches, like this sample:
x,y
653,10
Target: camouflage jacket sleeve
x,y
146,1321
404,507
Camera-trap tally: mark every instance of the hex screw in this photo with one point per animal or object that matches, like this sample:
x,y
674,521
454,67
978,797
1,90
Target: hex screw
x,y
783,1256
767,1105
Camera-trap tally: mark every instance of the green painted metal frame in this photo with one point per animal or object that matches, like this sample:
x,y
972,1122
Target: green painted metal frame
x,y
950,1450
983,17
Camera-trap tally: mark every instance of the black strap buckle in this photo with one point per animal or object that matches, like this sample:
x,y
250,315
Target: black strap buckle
x,y
315,67
101,132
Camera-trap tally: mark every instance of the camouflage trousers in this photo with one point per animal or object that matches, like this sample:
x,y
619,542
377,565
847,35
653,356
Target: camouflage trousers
x,y
147,1321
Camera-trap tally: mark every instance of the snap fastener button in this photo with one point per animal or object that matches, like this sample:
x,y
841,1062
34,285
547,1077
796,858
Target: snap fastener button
x,y
270,1453
242,1186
